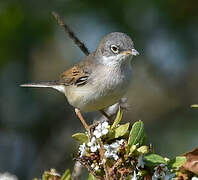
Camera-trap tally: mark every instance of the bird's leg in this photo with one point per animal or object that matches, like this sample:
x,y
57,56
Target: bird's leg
x,y
106,115
78,113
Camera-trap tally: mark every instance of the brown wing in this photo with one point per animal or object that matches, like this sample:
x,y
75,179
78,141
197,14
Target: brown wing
x,y
74,76
79,73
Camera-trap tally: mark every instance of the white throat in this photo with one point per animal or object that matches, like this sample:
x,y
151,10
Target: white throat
x,y
116,60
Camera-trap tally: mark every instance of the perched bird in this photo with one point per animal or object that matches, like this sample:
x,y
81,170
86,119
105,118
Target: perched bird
x,y
101,79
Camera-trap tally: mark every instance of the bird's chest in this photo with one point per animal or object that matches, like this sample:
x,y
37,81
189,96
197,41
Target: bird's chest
x,y
113,81
104,88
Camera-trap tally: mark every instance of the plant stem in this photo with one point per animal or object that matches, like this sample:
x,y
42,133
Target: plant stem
x,y
78,113
103,160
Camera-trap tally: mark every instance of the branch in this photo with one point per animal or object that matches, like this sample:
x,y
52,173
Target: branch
x,y
86,165
78,113
71,34
103,160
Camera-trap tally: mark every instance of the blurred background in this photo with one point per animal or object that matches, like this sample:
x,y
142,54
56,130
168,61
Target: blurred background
x,y
36,124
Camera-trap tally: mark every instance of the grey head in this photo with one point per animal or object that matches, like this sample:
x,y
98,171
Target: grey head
x,y
115,47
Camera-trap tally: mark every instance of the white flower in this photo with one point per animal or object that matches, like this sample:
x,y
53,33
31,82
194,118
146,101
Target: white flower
x,y
115,145
115,156
96,168
7,176
162,172
101,129
110,152
121,141
82,150
134,176
194,178
94,146
140,162
112,149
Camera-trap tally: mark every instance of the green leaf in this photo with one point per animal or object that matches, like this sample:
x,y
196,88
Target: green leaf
x,y
153,160
143,149
117,119
119,131
177,162
194,105
92,177
45,176
80,137
129,177
132,149
137,134
66,175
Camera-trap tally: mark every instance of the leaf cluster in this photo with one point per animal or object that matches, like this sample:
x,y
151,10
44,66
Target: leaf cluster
x,y
129,156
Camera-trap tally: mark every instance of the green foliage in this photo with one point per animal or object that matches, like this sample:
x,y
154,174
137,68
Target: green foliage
x,y
66,175
47,175
126,149
81,137
132,149
137,134
177,162
117,119
52,174
119,131
143,149
130,152
116,151
154,160
91,177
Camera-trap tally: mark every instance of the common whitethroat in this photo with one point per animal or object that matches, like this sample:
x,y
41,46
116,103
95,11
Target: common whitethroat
x,y
100,79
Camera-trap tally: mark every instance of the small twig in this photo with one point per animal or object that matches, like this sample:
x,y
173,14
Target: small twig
x,y
71,33
119,162
103,160
83,163
78,113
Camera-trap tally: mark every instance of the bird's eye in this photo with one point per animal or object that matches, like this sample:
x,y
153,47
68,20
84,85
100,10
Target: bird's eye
x,y
114,49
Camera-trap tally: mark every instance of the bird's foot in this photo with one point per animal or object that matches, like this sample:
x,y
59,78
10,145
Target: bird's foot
x,y
109,119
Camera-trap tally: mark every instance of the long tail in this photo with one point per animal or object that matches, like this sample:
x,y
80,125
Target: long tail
x,y
47,84
41,84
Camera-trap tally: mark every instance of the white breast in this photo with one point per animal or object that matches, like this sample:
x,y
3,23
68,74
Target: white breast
x,y
106,86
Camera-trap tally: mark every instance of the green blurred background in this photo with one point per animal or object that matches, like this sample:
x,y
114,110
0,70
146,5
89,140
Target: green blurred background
x,y
36,124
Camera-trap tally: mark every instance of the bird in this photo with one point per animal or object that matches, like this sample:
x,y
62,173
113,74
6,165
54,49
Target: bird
x,y
101,79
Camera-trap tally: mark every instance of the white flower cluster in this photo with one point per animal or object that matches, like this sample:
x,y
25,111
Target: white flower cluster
x,y
112,149
101,129
7,176
194,178
93,144
162,172
95,167
82,150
